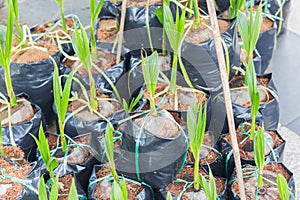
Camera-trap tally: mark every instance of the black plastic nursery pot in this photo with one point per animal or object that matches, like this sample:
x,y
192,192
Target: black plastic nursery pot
x,y
269,190
152,159
100,185
200,58
29,184
183,188
66,174
21,134
34,79
246,148
81,156
268,112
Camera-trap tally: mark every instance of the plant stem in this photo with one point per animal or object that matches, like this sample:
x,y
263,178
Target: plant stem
x,y
9,88
164,43
196,13
93,97
20,32
93,42
62,15
11,135
190,6
196,174
62,135
152,107
174,74
260,179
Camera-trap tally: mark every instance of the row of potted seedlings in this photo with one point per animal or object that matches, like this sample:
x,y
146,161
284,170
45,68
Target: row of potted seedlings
x,y
165,139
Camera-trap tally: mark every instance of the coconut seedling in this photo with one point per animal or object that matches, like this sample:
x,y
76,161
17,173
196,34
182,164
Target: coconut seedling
x,y
283,187
81,47
235,6
61,100
175,33
209,187
119,189
5,51
196,123
249,31
44,149
259,154
62,14
94,12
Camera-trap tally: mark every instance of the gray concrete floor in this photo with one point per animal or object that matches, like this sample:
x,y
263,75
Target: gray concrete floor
x,y
285,66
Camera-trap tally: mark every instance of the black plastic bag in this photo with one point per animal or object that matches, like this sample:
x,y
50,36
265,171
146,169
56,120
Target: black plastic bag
x,y
146,193
200,60
22,137
148,158
268,112
34,79
34,178
234,196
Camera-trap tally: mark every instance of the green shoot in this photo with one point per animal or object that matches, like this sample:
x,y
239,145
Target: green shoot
x,y
133,103
283,187
235,6
5,50
81,47
209,187
62,14
196,123
16,19
61,100
175,33
73,191
94,12
259,154
119,189
43,191
249,31
169,196
109,150
197,19
150,72
51,162
1,141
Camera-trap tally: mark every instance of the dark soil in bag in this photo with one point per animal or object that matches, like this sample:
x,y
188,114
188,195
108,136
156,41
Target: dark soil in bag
x,y
26,119
184,183
101,189
153,154
269,190
31,73
199,55
29,173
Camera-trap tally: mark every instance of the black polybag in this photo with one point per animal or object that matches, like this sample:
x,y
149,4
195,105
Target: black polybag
x,y
22,137
34,178
226,149
159,159
146,193
291,185
268,112
201,63
34,79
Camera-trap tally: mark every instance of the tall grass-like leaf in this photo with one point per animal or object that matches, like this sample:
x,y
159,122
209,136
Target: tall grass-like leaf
x,y
73,191
81,47
196,123
133,103
259,154
283,187
61,100
5,50
94,12
169,196
209,187
150,66
54,188
16,19
196,13
235,6
62,14
43,146
124,188
42,189
116,192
